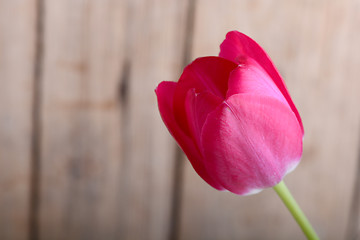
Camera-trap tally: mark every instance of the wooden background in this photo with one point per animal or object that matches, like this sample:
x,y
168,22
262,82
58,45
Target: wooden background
x,y
85,155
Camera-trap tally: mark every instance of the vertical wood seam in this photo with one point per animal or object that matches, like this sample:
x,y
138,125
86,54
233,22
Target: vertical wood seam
x,y
124,104
178,172
354,217
123,98
35,167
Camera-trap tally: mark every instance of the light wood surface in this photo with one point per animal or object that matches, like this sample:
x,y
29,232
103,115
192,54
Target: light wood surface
x,y
155,33
17,52
81,150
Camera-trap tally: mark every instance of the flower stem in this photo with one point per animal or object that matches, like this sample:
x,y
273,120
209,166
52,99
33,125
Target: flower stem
x,y
295,210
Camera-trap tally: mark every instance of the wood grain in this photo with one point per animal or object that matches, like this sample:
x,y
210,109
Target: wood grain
x,y
352,73
313,45
353,230
107,160
17,51
81,150
154,50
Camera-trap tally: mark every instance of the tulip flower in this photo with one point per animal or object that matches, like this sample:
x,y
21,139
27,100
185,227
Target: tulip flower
x,y
234,119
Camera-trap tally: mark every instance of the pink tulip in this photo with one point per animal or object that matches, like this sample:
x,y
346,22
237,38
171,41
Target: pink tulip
x,y
233,117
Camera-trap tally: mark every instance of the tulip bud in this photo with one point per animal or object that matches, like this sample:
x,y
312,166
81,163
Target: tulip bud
x,y
233,117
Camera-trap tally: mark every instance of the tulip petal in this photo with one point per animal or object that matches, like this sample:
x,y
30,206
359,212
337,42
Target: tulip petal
x,y
237,45
165,96
198,106
250,142
208,74
250,77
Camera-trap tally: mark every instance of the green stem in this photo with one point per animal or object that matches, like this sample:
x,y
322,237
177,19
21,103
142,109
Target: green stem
x,y
295,210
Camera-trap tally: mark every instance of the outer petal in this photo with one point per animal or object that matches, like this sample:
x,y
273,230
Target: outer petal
x,y
238,45
250,142
250,77
208,74
165,94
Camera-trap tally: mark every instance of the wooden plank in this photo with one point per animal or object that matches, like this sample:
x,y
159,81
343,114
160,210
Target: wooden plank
x,y
313,45
353,72
353,231
155,51
81,150
107,159
17,50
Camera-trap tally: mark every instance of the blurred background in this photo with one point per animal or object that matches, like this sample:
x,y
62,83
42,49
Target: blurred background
x,y
85,155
